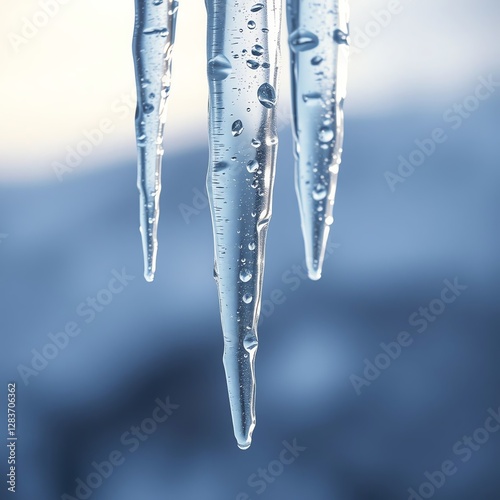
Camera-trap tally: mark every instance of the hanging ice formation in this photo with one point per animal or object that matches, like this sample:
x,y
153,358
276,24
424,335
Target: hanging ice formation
x,y
154,34
243,52
318,44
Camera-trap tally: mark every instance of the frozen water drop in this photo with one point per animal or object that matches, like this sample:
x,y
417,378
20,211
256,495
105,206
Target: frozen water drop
x,y
267,95
247,298
251,246
257,50
253,166
325,134
252,64
319,192
237,128
251,25
245,275
256,7
316,60
250,341
301,40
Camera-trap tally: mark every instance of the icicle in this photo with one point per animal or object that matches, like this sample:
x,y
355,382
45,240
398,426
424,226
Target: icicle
x,y
242,50
153,41
318,43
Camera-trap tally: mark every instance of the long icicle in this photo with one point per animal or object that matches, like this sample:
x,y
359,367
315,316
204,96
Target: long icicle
x,y
318,44
242,51
154,35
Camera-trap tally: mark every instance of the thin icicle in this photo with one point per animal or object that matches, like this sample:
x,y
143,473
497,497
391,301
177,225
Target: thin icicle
x,y
242,50
318,43
152,46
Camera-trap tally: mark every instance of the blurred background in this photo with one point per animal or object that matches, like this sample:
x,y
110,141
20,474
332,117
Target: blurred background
x,y
69,225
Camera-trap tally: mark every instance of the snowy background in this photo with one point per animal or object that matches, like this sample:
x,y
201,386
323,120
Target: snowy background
x,y
62,238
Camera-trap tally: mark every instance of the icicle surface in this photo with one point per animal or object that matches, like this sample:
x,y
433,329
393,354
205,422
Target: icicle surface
x,y
152,46
318,43
242,52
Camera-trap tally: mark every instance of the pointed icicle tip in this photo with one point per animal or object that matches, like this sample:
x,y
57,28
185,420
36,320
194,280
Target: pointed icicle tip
x,y
149,276
245,444
314,273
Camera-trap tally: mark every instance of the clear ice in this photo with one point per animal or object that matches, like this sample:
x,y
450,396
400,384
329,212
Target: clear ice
x,y
154,34
318,43
242,70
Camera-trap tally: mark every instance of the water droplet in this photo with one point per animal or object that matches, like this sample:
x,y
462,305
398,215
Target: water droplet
x,y
316,60
247,298
237,128
245,275
148,108
251,25
219,68
256,7
252,64
301,40
325,134
340,37
319,192
329,220
251,246
267,95
255,143
252,166
257,50
250,341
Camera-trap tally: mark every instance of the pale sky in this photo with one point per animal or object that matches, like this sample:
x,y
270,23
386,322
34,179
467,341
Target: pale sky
x,y
75,69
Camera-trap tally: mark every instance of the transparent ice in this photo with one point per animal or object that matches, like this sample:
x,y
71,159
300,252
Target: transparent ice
x,y
242,69
242,53
318,43
154,34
